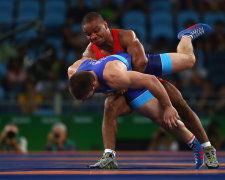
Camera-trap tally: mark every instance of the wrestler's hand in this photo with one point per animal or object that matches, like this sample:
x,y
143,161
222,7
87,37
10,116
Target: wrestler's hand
x,y
170,116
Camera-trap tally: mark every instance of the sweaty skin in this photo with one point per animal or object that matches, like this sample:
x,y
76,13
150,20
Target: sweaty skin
x,y
115,105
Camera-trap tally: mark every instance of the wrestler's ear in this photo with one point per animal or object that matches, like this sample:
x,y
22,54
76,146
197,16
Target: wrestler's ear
x,y
95,84
106,25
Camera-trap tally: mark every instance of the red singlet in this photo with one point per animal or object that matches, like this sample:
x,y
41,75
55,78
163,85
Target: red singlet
x,y
116,49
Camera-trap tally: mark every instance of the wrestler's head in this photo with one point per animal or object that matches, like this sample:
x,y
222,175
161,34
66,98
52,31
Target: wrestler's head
x,y
82,85
95,28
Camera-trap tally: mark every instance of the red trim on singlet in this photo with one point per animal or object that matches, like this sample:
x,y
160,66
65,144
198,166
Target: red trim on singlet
x,y
116,49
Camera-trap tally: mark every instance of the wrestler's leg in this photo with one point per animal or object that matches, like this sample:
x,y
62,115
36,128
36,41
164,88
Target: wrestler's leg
x,y
153,110
115,105
190,119
184,58
167,63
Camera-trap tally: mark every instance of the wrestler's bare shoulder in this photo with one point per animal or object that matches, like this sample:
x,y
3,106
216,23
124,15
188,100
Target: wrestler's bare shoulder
x,y
125,37
73,68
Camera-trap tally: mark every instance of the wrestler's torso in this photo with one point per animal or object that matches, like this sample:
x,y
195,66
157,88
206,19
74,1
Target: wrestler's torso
x,y
117,48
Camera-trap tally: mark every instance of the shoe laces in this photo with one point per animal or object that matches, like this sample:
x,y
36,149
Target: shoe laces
x,y
197,32
197,154
104,157
210,154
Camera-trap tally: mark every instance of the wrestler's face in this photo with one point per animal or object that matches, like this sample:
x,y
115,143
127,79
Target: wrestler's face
x,y
96,31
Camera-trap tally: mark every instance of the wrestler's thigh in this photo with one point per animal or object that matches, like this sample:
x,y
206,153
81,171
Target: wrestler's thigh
x,y
117,105
181,62
153,110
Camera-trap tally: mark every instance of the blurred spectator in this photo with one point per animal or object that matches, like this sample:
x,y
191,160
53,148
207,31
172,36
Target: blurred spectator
x,y
215,136
39,68
10,141
161,141
15,77
47,71
216,41
58,139
30,100
51,85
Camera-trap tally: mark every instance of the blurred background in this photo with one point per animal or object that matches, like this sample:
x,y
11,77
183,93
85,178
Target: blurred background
x,y
40,39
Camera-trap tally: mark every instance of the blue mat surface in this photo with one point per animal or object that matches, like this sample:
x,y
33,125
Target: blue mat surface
x,y
141,165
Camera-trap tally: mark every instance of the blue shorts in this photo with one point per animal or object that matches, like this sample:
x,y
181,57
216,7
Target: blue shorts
x,y
158,64
137,97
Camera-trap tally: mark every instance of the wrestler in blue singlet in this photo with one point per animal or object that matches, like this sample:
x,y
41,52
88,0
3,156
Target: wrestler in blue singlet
x,y
98,68
135,97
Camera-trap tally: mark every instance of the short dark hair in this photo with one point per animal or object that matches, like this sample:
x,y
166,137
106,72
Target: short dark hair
x,y
90,17
81,83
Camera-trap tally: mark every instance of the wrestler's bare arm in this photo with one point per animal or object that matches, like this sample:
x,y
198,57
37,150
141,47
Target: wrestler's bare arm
x,y
89,52
73,68
133,47
117,77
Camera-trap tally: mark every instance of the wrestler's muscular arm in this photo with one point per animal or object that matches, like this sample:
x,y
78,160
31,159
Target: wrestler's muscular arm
x,y
89,52
117,77
132,46
73,68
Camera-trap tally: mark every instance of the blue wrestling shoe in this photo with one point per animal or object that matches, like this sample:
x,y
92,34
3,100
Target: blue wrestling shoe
x,y
195,31
198,153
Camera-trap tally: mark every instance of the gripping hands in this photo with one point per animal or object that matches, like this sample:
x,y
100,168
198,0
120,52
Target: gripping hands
x,y
170,116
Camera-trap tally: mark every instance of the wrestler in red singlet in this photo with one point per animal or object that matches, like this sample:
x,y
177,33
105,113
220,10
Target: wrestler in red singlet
x,y
117,48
